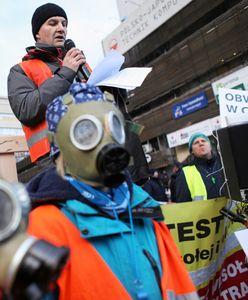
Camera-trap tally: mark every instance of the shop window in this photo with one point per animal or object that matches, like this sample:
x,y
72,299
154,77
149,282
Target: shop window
x,y
154,143
163,143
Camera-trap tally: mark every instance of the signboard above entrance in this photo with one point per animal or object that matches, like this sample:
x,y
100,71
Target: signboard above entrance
x,y
189,105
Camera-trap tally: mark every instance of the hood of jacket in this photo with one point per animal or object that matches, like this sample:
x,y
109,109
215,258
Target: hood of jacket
x,y
48,187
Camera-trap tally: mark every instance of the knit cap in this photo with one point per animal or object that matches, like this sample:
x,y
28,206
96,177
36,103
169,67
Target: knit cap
x,y
195,136
43,13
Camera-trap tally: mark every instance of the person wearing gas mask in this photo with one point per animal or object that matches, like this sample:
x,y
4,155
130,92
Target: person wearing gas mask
x,y
29,266
120,246
46,71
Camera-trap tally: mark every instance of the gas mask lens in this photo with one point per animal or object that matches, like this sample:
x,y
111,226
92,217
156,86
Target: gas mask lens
x,y
86,132
10,214
116,126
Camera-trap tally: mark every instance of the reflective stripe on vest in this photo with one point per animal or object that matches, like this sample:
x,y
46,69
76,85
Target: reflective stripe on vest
x,y
95,280
195,183
191,296
36,137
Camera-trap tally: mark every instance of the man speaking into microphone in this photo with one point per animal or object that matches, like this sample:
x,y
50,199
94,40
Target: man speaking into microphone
x,y
46,71
84,70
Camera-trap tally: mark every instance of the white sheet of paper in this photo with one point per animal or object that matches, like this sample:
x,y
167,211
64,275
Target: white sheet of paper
x,y
110,65
107,73
242,236
128,78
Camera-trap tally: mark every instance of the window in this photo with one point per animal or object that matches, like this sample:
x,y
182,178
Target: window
x,y
154,143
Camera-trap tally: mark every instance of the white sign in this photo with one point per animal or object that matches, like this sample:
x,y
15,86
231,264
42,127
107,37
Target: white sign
x,y
233,106
148,158
242,236
182,136
127,7
236,80
143,21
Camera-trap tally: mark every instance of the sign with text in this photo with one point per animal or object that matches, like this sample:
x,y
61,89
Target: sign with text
x,y
233,106
189,105
237,80
209,248
143,21
182,136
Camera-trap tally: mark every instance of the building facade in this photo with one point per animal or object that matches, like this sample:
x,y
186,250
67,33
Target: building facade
x,y
9,125
199,46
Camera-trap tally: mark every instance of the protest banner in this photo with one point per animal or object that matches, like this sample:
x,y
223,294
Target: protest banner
x,y
209,248
233,106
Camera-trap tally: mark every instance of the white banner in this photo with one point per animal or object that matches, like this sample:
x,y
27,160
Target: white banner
x,y
182,136
141,23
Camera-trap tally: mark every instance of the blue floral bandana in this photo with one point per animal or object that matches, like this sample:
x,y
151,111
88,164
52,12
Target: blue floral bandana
x,y
79,92
112,203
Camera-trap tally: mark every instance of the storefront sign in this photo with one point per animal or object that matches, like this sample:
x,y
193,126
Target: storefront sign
x,y
143,21
190,105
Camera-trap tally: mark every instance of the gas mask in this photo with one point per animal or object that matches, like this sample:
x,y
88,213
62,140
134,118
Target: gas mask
x,y
91,136
28,266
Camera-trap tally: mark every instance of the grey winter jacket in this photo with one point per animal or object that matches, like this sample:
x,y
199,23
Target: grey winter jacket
x,y
28,101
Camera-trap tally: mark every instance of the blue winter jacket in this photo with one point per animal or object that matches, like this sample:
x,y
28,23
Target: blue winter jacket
x,y
111,237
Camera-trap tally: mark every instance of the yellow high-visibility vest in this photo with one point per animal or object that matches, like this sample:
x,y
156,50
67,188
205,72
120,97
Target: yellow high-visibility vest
x,y
195,183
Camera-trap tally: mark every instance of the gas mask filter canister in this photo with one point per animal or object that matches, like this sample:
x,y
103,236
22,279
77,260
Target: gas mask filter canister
x,y
28,266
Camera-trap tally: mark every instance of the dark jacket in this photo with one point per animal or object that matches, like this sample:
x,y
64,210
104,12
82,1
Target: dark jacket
x,y
173,186
29,102
48,187
155,189
212,177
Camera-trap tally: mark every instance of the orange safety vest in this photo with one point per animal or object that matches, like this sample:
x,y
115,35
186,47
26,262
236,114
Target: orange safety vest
x,y
36,136
87,276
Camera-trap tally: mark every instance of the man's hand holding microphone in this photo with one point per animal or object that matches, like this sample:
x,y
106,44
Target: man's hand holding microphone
x,y
75,60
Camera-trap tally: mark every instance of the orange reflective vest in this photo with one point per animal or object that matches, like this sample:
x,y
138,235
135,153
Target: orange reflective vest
x,y
87,276
36,136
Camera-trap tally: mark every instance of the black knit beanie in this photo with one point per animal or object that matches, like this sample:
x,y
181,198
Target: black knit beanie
x,y
43,13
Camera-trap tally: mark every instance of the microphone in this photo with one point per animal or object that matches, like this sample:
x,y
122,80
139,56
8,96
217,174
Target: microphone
x,y
84,71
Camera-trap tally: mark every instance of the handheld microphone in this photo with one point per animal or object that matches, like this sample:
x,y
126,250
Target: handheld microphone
x,y
84,70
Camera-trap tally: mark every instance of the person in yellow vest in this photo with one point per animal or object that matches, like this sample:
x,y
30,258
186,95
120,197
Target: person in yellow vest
x,y
120,247
46,71
202,177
